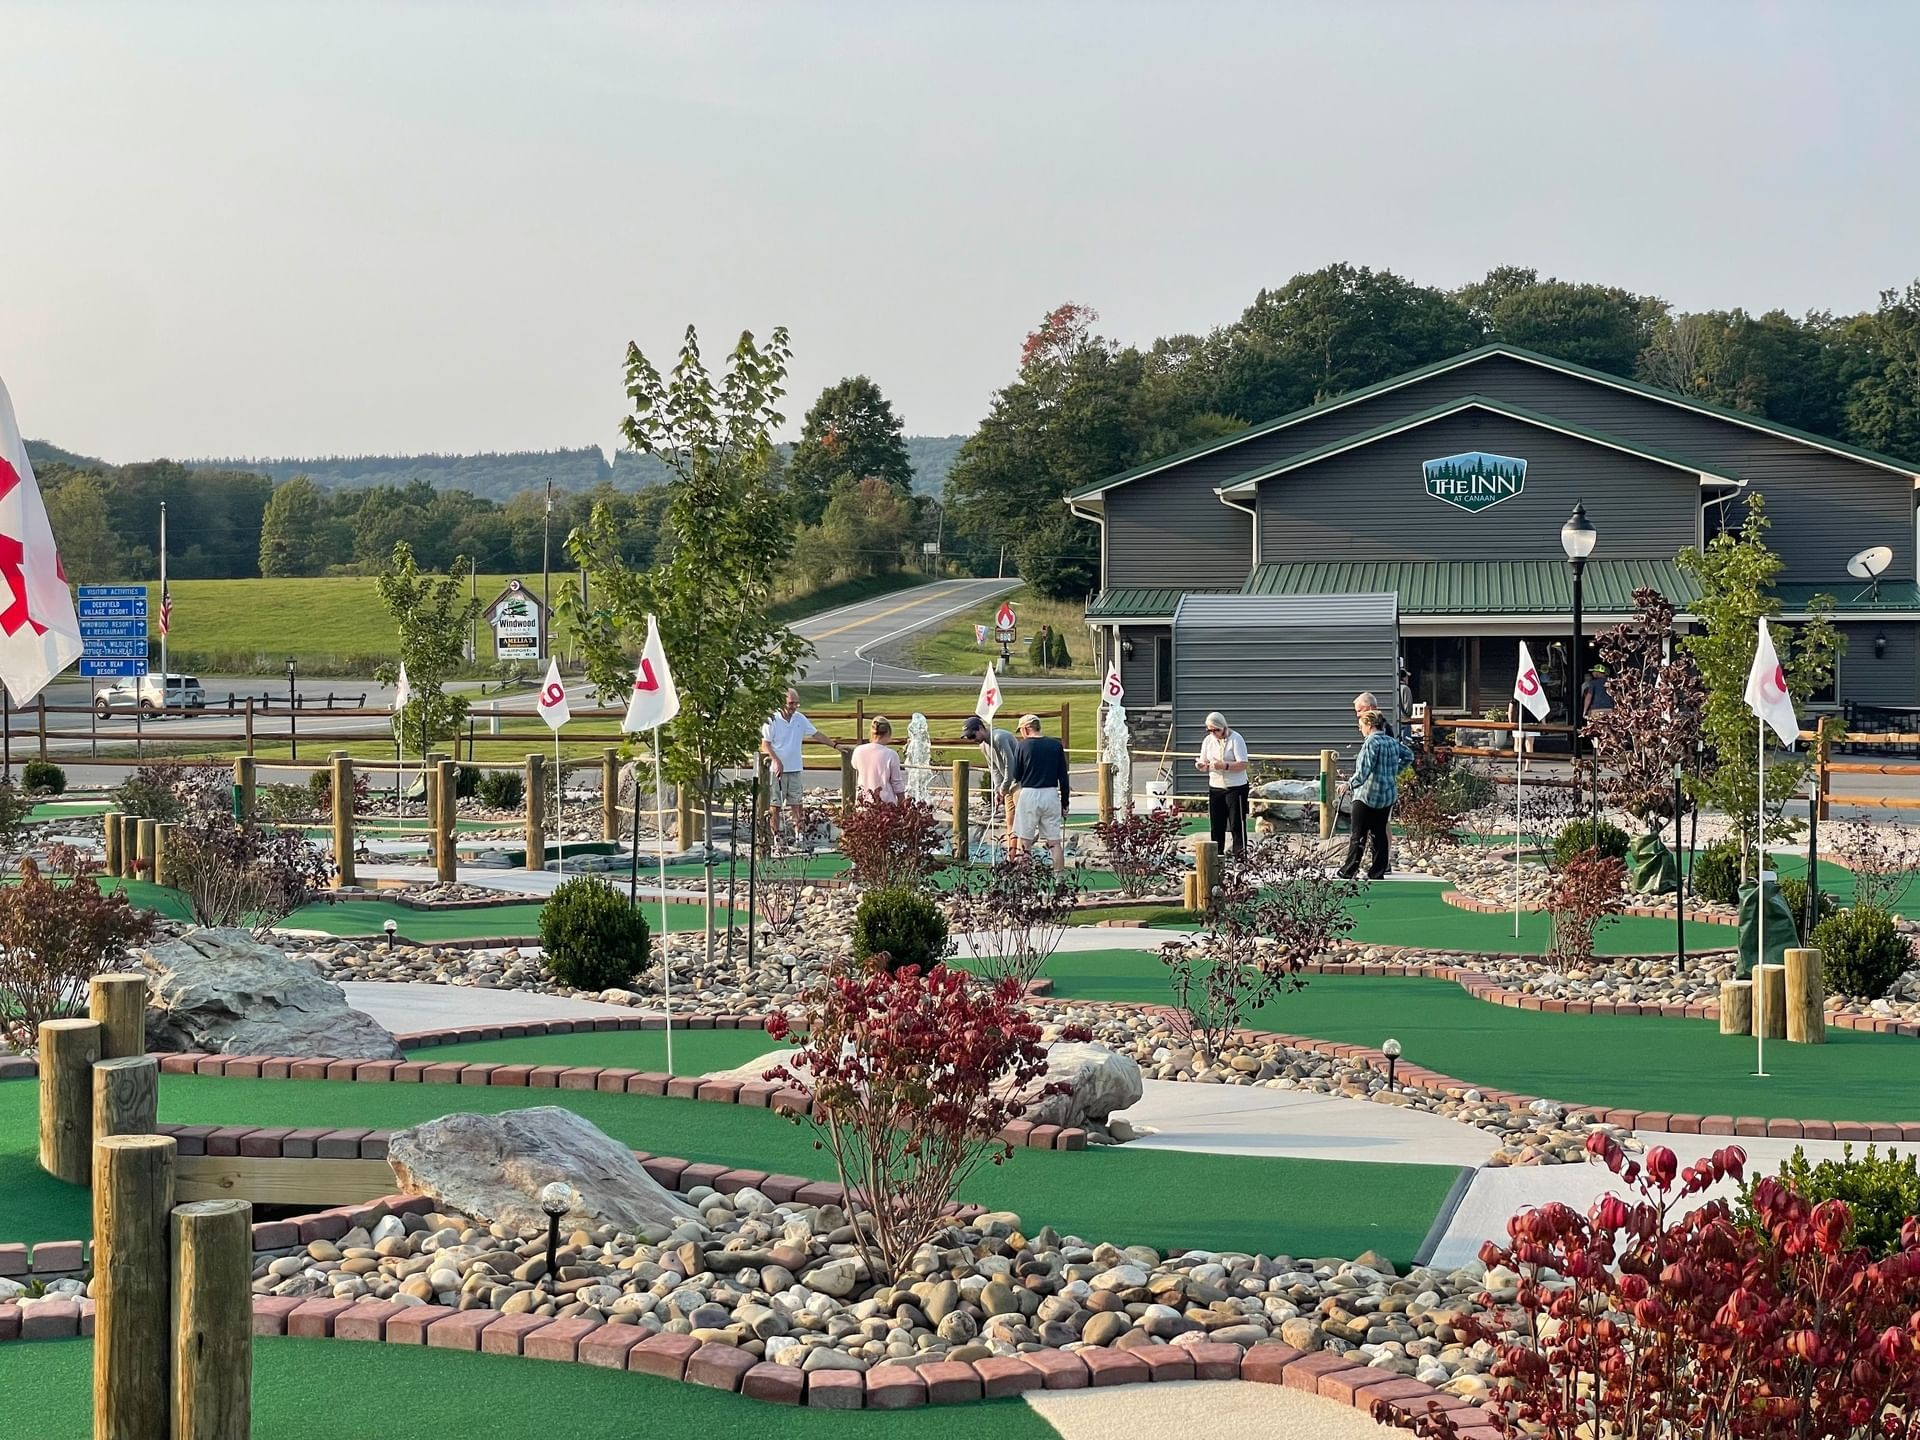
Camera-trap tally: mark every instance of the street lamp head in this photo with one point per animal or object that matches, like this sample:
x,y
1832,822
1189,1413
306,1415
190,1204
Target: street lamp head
x,y
1577,536
557,1198
1391,1049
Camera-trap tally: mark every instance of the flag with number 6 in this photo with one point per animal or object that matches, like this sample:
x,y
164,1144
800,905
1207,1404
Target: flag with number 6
x,y
553,698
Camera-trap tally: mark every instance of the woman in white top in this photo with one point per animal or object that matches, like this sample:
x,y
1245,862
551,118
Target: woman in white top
x,y
1223,758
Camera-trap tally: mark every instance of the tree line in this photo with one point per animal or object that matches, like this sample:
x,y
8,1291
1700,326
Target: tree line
x,y
1082,407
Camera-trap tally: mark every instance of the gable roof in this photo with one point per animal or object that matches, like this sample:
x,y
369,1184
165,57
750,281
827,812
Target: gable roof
x,y
1907,468
1246,480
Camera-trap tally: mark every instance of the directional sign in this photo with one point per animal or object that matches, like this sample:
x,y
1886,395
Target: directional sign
x,y
112,592
113,609
92,668
118,649
116,629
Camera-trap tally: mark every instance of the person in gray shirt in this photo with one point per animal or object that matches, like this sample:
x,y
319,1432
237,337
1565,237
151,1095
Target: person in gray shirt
x,y
997,747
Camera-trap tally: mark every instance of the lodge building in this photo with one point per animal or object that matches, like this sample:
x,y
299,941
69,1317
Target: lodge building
x,y
1446,488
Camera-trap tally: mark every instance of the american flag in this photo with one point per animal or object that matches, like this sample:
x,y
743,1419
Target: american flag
x,y
166,610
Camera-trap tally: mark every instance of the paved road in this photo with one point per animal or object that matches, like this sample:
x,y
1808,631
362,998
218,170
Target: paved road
x,y
844,639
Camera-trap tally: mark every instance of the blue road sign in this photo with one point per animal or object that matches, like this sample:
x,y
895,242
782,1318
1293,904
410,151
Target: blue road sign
x,y
120,649
112,592
91,668
96,629
112,610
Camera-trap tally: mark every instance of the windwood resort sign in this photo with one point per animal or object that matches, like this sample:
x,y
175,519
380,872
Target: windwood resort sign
x,y
1475,480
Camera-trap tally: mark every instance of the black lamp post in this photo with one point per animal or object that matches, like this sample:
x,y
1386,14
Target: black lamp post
x,y
1392,1051
1577,538
293,740
392,930
556,1199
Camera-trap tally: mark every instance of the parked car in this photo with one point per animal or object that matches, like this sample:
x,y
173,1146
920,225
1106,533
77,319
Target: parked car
x,y
152,694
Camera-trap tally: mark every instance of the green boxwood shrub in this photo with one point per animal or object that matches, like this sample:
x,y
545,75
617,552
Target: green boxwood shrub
x,y
1577,837
592,939
501,789
1793,890
466,781
1880,1190
1865,952
43,777
904,925
1716,873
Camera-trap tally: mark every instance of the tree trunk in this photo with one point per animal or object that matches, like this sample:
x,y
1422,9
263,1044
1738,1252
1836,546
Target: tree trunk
x,y
706,840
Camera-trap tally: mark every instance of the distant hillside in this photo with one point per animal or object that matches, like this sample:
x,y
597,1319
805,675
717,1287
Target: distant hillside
x,y
501,476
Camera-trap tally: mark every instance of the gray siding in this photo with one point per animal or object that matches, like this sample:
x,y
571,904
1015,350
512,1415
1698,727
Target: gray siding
x,y
1371,503
1288,688
1136,674
1824,507
1893,679
1172,530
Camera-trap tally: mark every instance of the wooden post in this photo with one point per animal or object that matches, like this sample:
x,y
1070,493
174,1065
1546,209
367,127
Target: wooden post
x,y
110,837
341,764
1822,771
962,811
129,844
143,848
119,1002
1329,792
245,781
536,797
1066,730
40,723
1103,790
849,782
859,719
132,1286
610,794
1774,997
165,844
1189,891
1736,1007
446,854
1806,997
212,1320
1206,870
126,1096
249,725
68,1050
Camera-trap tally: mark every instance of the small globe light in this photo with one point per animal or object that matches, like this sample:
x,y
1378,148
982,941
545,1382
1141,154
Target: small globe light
x,y
556,1199
1391,1049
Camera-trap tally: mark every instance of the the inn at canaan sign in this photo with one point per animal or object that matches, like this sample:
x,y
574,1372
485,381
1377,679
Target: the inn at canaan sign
x,y
1475,480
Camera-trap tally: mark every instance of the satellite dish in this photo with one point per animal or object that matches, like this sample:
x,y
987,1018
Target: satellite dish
x,y
1870,564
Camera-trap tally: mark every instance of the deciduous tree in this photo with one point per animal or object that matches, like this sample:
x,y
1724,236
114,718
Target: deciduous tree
x,y
434,615
851,432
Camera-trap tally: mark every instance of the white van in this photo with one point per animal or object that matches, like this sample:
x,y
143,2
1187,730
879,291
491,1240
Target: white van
x,y
151,693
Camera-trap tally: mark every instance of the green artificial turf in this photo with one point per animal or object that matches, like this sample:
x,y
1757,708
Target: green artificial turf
x,y
367,917
1632,1063
333,1390
1172,1200
68,809
695,1052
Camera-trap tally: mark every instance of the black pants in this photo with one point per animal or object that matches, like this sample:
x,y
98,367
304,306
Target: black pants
x,y
1227,814
1369,823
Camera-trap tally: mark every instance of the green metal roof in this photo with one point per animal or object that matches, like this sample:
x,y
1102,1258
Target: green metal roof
x,y
1854,597
1465,357
1481,587
1248,478
1143,604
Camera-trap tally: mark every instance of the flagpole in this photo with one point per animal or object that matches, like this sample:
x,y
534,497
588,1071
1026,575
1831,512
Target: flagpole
x,y
660,849
165,619
1760,910
1519,809
559,798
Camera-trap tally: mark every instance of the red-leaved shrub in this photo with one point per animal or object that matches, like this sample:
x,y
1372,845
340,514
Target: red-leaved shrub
x,y
1582,895
54,936
1142,848
1636,1325
891,842
913,1076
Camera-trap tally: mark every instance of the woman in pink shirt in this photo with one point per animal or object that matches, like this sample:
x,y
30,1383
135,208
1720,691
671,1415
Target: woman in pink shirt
x,y
878,767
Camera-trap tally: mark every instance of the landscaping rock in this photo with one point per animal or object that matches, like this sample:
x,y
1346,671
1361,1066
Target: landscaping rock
x,y
1100,1082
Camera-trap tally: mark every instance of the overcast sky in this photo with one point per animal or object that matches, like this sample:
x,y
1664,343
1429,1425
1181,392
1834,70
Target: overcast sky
x,y
330,228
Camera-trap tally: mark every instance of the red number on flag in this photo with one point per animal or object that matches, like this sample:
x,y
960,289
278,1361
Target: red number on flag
x,y
644,680
1530,683
552,696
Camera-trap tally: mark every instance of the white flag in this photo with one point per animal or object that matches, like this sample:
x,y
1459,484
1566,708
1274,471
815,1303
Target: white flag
x,y
989,700
654,700
553,698
402,690
39,631
1767,693
1527,688
1113,692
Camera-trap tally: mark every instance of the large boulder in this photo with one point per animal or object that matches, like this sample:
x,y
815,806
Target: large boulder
x,y
1100,1081
224,992
493,1167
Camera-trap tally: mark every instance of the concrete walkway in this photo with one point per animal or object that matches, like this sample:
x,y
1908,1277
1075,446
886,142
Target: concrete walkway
x,y
1218,1409
1251,1120
449,1007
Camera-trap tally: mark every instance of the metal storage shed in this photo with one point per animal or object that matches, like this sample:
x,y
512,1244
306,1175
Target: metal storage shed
x,y
1282,669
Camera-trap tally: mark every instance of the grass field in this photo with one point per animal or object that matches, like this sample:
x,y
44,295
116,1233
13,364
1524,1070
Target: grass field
x,y
329,1390
1128,1196
949,648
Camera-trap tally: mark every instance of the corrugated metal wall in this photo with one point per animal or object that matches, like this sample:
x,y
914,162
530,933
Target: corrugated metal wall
x,y
1283,671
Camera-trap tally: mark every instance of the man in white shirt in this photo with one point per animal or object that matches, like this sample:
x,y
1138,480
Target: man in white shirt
x,y
1223,759
781,740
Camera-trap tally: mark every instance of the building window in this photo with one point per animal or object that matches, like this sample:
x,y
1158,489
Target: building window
x,y
1163,670
1439,666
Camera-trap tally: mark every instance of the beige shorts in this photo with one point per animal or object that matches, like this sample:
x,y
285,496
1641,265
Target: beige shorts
x,y
787,789
1036,815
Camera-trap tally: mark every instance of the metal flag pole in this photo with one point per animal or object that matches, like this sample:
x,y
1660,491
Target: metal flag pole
x,y
660,831
1760,908
1519,808
559,803
166,620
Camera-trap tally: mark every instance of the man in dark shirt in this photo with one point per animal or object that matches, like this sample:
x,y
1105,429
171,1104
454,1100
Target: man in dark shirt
x,y
1040,792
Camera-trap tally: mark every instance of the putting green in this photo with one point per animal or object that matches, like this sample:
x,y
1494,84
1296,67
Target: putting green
x,y
335,1390
1168,1199
694,1051
1631,1063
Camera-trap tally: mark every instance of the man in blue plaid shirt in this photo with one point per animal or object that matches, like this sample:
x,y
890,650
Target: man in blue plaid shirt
x,y
1374,787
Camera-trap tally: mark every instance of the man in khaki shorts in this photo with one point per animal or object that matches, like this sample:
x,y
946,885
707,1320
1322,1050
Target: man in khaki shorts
x,y
1040,792
781,740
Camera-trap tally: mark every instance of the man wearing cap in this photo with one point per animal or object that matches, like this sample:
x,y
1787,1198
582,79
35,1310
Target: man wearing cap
x,y
998,748
1040,792
1223,760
